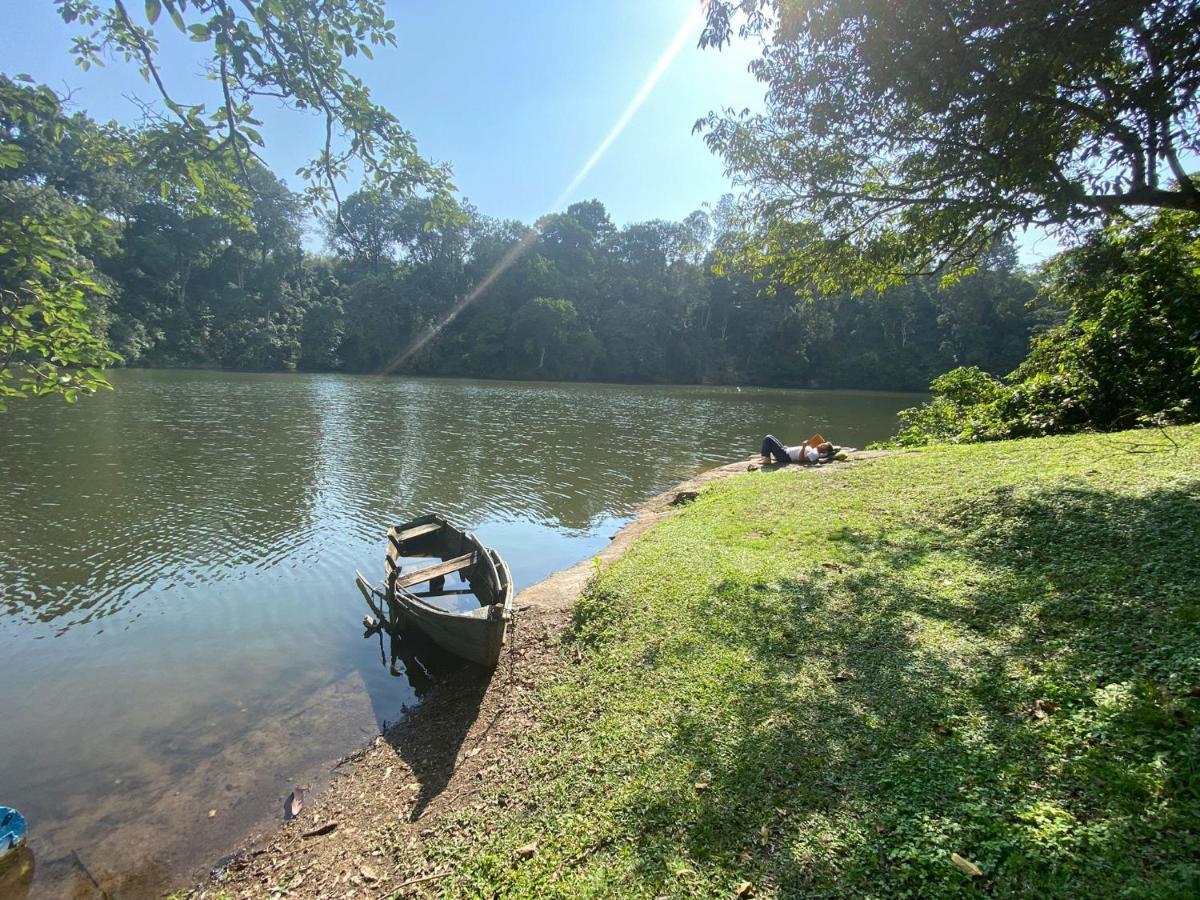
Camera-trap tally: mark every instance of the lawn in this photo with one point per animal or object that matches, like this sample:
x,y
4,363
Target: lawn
x,y
958,670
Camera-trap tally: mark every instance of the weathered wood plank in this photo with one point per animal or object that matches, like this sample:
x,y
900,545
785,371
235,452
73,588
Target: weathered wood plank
x,y
416,531
428,573
368,595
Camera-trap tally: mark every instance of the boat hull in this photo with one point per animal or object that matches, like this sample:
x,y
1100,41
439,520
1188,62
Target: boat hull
x,y
476,635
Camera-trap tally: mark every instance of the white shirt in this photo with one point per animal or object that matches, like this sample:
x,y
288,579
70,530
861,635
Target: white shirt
x,y
804,451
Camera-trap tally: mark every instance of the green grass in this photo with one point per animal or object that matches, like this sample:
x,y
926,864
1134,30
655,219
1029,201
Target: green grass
x,y
827,683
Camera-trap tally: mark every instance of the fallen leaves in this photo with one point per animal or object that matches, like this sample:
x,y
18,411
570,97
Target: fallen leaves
x,y
295,802
1042,709
966,866
320,829
745,889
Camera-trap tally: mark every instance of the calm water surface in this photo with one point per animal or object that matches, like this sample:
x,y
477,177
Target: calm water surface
x,y
179,629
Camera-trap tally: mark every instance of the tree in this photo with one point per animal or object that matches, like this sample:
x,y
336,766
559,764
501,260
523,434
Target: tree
x,y
51,311
547,330
286,51
51,335
593,216
204,162
365,230
904,137
1128,354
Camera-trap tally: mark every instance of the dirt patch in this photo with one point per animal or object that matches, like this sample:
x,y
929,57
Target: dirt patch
x,y
437,760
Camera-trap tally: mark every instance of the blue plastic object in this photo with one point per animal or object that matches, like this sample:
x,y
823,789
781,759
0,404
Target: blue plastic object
x,y
12,829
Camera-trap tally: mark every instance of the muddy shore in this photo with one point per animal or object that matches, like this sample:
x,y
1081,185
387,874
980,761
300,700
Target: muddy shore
x,y
395,789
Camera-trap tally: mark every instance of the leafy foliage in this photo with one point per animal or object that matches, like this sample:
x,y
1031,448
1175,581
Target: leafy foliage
x,y
283,51
51,322
903,137
219,278
1128,353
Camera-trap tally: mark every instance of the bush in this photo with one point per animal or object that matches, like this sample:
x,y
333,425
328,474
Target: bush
x,y
1129,352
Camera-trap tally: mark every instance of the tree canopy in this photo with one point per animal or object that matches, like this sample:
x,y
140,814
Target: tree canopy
x,y
292,52
170,278
203,162
52,336
903,136
1127,355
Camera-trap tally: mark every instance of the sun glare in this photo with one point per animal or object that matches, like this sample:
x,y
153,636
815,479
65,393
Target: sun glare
x,y
690,24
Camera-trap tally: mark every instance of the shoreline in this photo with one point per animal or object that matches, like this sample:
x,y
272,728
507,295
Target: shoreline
x,y
433,761
919,395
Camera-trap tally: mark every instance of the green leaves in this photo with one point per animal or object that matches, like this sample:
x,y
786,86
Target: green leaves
x,y
903,138
294,50
1130,351
48,337
175,15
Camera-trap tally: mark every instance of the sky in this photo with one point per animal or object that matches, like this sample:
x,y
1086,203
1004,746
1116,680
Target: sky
x,y
531,102
516,96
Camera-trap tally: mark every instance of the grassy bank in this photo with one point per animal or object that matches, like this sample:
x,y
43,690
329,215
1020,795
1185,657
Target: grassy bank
x,y
830,682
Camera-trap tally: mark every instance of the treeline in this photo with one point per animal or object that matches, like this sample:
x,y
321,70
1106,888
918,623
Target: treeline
x,y
407,288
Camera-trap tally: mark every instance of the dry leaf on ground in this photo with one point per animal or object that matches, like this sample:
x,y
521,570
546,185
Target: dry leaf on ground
x,y
966,865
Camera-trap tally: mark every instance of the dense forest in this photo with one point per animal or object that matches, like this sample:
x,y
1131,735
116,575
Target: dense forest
x,y
409,287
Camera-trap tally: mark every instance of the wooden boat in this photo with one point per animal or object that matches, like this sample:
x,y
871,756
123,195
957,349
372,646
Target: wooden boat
x,y
474,634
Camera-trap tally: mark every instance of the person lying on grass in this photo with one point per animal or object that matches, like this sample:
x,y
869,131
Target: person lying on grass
x,y
815,450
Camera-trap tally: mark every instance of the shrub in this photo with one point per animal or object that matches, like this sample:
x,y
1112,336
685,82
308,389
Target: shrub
x,y
1129,352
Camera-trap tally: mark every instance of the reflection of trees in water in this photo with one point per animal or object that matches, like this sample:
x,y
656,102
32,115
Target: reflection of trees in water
x,y
191,478
179,478
557,453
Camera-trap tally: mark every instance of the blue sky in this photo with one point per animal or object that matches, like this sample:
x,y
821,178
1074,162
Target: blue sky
x,y
516,96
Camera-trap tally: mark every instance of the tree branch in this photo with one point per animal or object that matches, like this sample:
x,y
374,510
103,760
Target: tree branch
x,y
148,61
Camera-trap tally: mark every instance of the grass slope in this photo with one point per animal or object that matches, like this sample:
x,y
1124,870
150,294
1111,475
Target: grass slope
x,y
827,683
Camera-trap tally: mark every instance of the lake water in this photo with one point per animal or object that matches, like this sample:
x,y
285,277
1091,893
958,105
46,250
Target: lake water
x,y
179,629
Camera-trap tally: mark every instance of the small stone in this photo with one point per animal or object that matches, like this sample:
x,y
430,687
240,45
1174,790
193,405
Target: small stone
x,y
527,851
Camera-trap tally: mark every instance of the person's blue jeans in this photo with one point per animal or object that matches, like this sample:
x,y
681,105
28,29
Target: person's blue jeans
x,y
774,448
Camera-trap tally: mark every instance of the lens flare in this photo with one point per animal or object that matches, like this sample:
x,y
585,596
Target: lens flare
x,y
689,26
